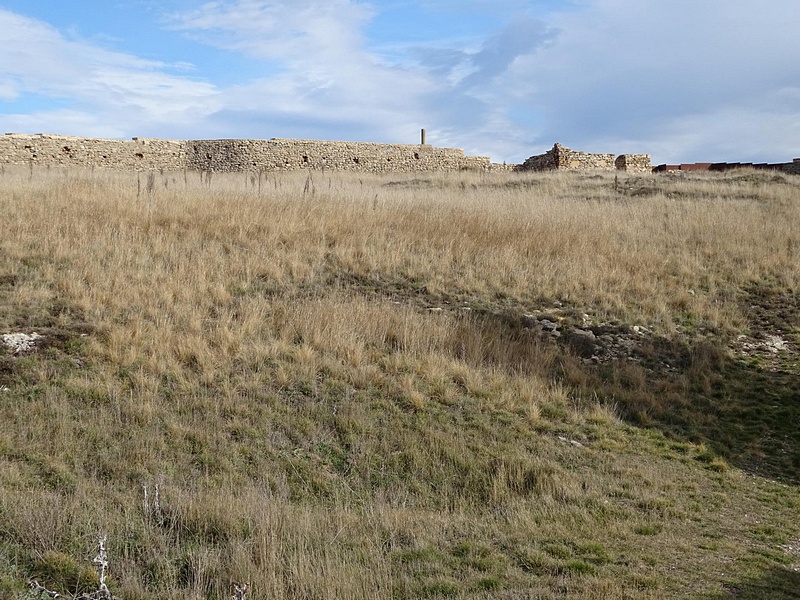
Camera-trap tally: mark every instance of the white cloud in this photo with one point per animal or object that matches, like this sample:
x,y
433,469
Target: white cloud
x,y
109,92
669,76
9,90
318,67
729,135
289,31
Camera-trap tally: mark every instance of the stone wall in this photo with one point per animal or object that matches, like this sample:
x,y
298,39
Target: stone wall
x,y
289,155
233,155
147,154
633,163
561,157
137,154
542,162
504,167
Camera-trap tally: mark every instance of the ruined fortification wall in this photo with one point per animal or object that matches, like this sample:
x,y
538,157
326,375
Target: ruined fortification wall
x,y
504,167
148,154
542,162
633,163
142,154
283,154
561,157
137,154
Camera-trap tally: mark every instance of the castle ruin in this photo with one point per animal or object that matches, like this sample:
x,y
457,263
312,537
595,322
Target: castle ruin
x,y
562,158
240,155
237,155
147,154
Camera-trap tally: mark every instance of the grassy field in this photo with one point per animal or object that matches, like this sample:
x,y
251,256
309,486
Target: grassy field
x,y
431,386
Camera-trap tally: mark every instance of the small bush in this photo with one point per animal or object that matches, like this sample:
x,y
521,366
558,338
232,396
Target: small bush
x,y
648,529
59,571
488,583
438,589
579,567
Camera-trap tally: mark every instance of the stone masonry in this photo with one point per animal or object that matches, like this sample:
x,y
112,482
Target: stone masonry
x,y
142,154
150,154
137,154
562,158
285,154
633,163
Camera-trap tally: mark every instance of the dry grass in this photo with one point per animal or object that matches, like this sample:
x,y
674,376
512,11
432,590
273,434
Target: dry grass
x,y
270,358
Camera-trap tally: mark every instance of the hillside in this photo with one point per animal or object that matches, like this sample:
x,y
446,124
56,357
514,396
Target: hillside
x,y
466,385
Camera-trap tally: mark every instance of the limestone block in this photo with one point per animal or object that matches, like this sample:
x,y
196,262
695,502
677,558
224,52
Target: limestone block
x,y
634,163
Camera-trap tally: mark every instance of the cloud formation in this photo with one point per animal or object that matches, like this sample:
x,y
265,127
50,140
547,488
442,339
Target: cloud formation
x,y
672,78
107,93
320,79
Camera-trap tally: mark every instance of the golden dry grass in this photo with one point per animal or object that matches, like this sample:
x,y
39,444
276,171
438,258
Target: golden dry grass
x,y
276,361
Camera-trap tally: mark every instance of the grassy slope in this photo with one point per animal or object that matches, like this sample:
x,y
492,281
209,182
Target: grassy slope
x,y
324,418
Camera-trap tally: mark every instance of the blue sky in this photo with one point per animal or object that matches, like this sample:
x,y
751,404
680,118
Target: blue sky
x,y
684,80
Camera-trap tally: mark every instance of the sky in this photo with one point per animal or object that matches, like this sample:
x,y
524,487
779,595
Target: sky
x,y
683,80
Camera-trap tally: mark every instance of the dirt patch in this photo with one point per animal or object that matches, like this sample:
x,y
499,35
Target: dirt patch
x,y
36,331
773,333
